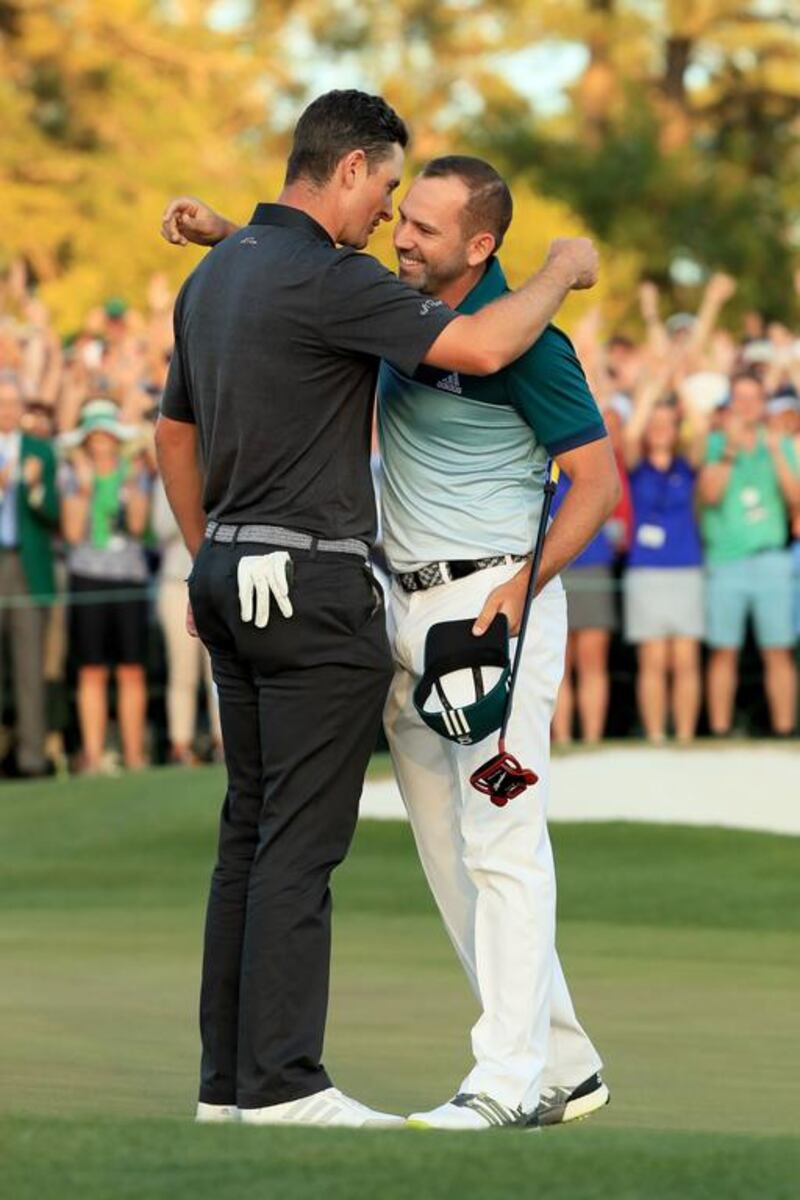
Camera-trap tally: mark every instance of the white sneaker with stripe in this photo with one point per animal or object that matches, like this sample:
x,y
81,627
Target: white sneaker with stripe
x,y
216,1114
559,1105
468,1111
329,1107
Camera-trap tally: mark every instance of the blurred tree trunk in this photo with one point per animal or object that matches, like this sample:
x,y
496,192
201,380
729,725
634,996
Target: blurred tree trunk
x,y
598,89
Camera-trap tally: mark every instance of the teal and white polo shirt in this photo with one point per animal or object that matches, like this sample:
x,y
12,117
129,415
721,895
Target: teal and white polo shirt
x,y
464,456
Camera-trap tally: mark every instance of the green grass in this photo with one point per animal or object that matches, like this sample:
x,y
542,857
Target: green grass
x,y
680,945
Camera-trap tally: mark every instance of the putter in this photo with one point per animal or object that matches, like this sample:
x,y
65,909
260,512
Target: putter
x,y
503,777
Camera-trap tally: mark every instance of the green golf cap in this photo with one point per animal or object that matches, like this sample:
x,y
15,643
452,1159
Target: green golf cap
x,y
462,693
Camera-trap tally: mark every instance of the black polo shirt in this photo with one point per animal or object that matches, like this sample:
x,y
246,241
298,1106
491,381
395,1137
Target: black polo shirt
x,y
278,338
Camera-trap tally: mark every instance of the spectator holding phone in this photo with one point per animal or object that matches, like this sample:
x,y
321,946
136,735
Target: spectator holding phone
x,y
105,511
750,478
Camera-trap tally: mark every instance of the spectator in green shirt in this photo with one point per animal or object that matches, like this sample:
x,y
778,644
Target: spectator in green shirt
x,y
751,475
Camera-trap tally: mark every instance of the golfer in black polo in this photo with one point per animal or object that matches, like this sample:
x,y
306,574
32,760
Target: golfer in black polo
x,y
278,338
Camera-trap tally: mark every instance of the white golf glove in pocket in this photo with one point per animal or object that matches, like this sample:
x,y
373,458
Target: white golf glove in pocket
x,y
260,576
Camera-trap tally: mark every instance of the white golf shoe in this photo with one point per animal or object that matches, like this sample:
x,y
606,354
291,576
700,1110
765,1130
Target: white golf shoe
x,y
469,1111
329,1107
559,1105
216,1114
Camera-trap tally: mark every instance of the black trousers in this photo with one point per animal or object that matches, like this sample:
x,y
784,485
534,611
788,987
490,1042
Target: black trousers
x,y
300,707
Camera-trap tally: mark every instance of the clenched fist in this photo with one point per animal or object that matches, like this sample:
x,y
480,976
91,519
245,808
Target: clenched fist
x,y
577,261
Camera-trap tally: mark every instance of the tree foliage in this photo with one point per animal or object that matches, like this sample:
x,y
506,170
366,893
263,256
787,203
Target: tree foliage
x,y
106,110
693,145
680,137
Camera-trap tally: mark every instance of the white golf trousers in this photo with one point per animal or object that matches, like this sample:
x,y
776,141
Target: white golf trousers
x,y
491,869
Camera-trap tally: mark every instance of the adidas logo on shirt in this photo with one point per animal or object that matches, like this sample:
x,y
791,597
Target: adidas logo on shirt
x,y
450,383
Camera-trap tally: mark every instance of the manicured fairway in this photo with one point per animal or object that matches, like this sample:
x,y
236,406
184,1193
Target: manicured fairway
x,y
681,947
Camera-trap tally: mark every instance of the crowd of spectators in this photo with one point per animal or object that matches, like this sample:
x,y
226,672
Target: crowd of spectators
x,y
92,565
704,546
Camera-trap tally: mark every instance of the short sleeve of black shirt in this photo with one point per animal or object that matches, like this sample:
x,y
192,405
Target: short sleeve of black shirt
x,y
176,403
368,310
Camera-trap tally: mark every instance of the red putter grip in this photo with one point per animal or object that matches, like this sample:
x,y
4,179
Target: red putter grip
x,y
502,778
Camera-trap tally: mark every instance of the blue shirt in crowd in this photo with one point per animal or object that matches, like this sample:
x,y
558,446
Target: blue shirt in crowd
x,y
665,527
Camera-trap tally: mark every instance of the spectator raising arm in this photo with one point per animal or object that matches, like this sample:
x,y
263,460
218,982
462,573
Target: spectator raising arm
x,y
696,421
651,389
717,294
658,343
593,357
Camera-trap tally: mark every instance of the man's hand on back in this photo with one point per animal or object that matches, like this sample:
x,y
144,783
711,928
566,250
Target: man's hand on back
x,y
187,219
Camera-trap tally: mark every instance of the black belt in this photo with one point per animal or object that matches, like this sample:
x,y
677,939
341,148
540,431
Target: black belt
x,y
435,573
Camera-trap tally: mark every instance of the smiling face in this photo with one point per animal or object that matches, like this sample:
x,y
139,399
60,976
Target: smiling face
x,y
367,194
432,246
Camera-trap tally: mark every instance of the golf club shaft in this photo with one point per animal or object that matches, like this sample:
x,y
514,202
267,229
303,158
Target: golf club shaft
x,y
549,490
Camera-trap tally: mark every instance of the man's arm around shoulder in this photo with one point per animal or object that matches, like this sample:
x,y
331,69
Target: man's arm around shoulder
x,y
479,344
490,339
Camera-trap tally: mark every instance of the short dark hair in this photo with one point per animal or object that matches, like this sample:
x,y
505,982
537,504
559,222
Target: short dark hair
x,y
489,206
620,341
747,374
335,124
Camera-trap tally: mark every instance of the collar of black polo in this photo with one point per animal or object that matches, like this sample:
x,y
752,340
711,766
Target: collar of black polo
x,y
452,646
290,218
